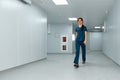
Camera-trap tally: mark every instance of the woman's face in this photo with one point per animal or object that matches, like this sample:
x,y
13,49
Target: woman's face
x,y
80,22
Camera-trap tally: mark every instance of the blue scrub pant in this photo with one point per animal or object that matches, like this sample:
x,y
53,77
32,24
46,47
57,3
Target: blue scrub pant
x,y
83,46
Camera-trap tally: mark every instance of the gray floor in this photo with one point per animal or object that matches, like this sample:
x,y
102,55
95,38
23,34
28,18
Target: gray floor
x,y
60,67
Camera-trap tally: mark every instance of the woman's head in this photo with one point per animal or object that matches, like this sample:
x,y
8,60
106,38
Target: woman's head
x,y
80,21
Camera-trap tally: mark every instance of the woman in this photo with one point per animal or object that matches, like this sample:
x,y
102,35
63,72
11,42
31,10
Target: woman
x,y
81,40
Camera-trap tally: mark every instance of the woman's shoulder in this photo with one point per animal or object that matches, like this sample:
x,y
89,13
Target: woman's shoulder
x,y
84,26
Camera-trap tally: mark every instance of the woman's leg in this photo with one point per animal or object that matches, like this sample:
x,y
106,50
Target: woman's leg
x,y
77,44
83,52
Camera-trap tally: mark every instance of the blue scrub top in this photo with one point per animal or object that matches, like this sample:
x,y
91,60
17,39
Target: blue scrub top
x,y
81,33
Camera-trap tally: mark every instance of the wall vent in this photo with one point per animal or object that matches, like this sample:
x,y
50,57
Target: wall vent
x,y
27,2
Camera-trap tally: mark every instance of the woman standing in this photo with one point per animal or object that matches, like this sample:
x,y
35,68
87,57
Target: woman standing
x,y
81,40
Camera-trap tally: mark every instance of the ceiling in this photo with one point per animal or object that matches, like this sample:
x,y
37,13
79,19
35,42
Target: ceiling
x,y
92,11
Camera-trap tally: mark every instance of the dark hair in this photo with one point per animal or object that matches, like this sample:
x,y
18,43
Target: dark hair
x,y
82,21
79,18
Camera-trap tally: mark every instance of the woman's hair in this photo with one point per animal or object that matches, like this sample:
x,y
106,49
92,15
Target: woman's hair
x,y
80,19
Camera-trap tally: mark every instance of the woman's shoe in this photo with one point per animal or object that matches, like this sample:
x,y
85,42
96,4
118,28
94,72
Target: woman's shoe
x,y
76,65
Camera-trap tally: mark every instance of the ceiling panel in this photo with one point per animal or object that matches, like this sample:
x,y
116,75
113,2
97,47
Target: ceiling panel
x,y
93,11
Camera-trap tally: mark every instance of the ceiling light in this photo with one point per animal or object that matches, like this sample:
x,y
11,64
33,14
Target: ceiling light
x,y
60,2
72,19
97,27
103,27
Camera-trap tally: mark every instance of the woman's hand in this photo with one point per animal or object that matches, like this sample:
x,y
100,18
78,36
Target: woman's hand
x,y
85,42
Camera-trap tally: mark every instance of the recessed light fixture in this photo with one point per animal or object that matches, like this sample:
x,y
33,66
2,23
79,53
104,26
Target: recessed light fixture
x,y
60,2
103,27
97,27
72,19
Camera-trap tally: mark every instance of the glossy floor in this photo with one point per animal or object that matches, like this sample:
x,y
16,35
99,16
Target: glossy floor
x,y
60,67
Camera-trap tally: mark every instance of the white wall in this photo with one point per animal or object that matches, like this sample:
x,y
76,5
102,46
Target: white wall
x,y
88,42
111,35
73,42
54,37
23,34
95,40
